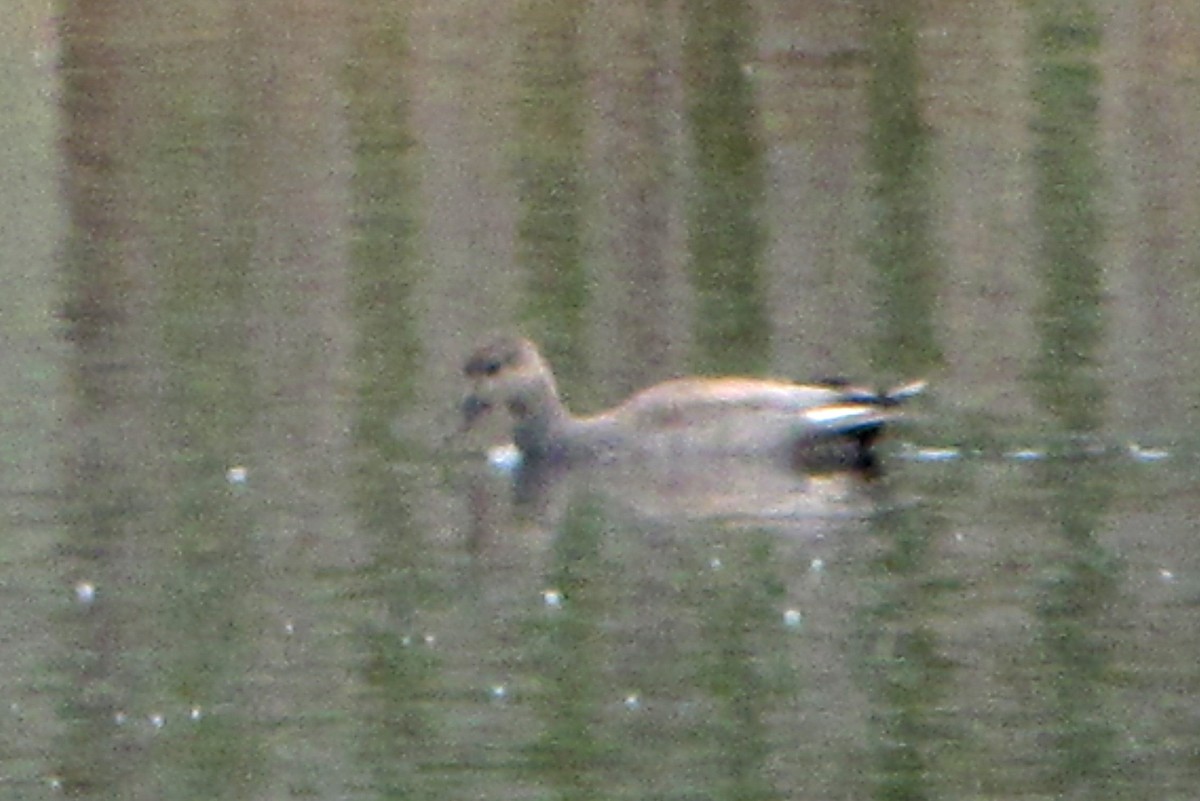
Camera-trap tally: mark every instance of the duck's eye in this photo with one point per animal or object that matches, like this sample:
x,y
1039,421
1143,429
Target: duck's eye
x,y
483,366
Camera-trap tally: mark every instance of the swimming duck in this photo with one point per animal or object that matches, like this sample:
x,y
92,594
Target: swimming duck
x,y
827,424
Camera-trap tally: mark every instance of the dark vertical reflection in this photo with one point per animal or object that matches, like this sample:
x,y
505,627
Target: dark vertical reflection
x,y
1076,597
569,752
902,252
1066,106
202,242
904,667
902,661
725,228
743,595
550,179
386,363
153,299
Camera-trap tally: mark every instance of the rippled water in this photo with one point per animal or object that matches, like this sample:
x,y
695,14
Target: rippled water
x,y
247,246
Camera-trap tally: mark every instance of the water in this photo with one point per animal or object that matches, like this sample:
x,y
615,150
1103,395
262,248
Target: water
x,y
247,247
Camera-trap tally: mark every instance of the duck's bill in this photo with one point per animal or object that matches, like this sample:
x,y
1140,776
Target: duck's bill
x,y
473,407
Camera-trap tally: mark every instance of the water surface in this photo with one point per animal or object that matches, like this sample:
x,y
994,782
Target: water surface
x,y
247,247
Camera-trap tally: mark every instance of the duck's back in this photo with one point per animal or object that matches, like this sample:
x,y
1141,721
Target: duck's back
x,y
708,418
697,401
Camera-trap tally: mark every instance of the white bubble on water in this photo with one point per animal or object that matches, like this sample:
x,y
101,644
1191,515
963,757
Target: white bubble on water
x,y
85,593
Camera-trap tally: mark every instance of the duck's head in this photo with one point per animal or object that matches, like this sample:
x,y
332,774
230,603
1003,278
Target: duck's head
x,y
508,371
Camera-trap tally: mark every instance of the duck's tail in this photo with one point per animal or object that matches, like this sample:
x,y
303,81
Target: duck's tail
x,y
843,433
893,397
898,395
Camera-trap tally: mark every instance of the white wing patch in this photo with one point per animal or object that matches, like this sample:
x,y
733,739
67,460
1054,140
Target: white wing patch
x,y
835,414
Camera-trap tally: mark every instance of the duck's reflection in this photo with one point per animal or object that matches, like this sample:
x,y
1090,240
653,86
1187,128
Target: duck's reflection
x,y
727,493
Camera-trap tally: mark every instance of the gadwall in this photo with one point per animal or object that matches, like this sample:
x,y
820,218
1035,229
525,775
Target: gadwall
x,y
807,425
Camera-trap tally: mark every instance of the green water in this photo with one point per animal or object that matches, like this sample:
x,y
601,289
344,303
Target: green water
x,y
247,247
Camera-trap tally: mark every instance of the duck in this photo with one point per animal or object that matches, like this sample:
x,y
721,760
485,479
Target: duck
x,y
828,424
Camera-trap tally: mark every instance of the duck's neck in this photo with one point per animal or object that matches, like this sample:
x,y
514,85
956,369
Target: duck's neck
x,y
540,422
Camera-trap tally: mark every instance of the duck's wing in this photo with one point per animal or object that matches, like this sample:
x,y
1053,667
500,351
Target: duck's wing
x,y
720,395
846,418
858,411
824,409
699,400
